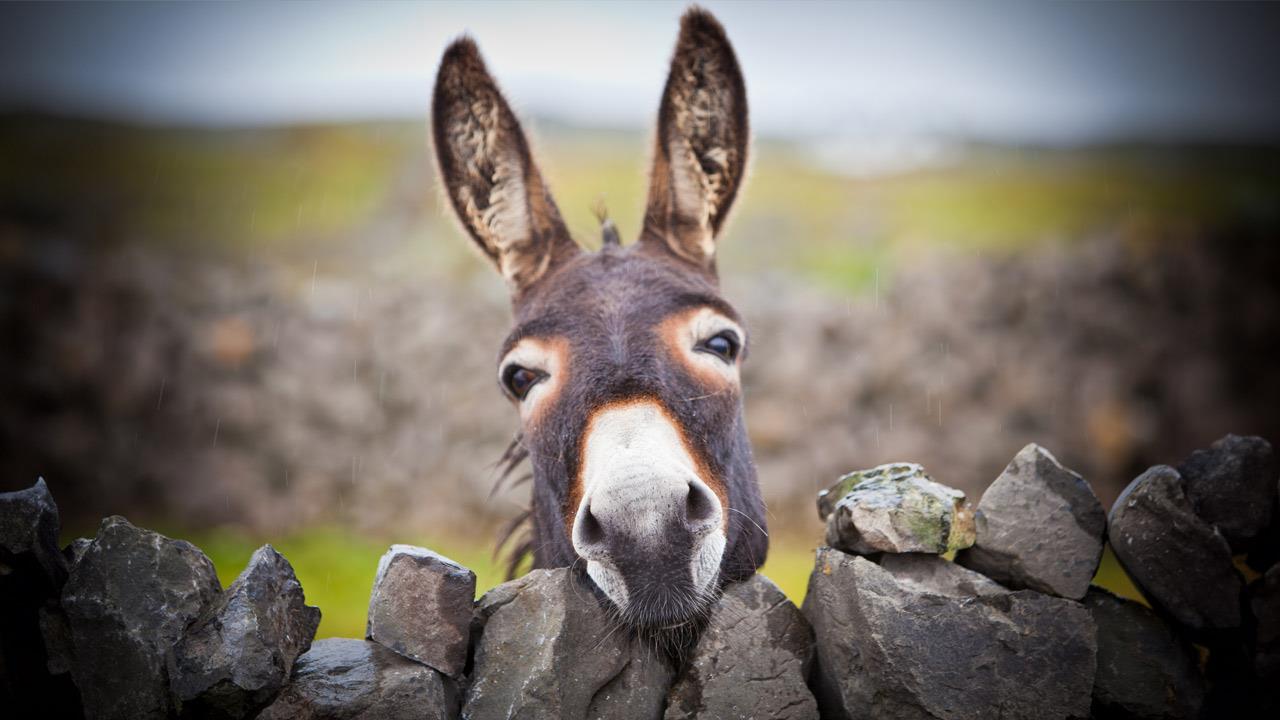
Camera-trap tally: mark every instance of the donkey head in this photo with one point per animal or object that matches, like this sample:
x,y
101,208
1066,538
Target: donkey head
x,y
623,363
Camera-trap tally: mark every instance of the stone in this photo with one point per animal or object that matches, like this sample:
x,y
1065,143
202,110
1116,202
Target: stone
x,y
751,661
32,572
1232,486
1181,563
127,602
348,679
1040,527
76,550
421,607
546,648
1264,605
236,656
895,508
920,646
1144,669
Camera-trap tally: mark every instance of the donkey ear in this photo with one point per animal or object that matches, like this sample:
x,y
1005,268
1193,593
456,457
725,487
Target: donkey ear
x,y
701,146
488,173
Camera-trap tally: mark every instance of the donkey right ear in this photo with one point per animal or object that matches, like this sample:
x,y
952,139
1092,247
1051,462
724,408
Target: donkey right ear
x,y
488,173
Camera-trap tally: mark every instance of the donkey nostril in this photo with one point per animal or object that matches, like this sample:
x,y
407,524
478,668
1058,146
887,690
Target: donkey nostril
x,y
700,507
590,530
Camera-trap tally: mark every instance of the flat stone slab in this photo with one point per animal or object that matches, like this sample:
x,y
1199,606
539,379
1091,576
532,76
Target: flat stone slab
x,y
547,649
347,679
127,602
752,660
1181,563
1232,486
895,508
421,607
918,646
237,655
1144,669
1040,527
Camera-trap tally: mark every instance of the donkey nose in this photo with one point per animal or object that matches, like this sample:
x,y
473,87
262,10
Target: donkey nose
x,y
616,519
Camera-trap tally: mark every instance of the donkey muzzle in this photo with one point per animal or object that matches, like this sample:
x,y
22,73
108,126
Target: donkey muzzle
x,y
648,525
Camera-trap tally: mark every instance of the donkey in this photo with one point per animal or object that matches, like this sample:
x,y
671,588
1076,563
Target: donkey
x,y
624,364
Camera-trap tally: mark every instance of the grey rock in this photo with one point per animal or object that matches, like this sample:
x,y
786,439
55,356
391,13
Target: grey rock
x,y
1264,604
1144,669
346,679
1232,486
421,607
32,572
916,647
55,630
1040,527
895,508
75,550
29,527
547,649
237,655
128,601
932,574
1180,563
751,661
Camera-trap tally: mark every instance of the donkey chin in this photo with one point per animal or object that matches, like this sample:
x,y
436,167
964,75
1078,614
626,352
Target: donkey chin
x,y
649,526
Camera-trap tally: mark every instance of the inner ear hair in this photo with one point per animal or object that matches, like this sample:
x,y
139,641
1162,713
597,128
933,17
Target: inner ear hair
x,y
700,152
488,173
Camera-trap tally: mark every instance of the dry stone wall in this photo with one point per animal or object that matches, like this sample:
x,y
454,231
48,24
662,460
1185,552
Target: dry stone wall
x,y
132,624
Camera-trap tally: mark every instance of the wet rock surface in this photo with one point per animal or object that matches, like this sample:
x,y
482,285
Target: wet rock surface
x,y
546,646
127,602
237,655
751,662
888,648
1144,669
32,573
1232,486
1040,527
421,607
895,508
346,679
1181,564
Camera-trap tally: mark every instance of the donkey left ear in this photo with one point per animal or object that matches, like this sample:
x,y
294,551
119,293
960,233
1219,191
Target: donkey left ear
x,y
701,147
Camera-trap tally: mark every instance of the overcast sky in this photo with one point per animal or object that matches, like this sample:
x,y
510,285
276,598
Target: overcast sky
x,y
1003,71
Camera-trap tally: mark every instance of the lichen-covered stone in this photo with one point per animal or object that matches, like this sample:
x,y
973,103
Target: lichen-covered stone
x,y
421,607
237,655
127,602
1144,669
921,646
1180,563
1232,486
1040,527
547,649
895,508
751,661
346,679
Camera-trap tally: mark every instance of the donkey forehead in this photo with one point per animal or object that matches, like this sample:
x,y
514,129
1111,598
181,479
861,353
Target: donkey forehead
x,y
612,292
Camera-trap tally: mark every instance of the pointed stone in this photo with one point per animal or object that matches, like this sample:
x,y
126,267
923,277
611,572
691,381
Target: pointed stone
x,y
1232,486
421,607
237,655
1181,564
1040,527
127,602
895,508
752,660
547,649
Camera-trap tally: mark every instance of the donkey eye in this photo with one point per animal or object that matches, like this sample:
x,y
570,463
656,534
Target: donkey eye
x,y
724,345
518,380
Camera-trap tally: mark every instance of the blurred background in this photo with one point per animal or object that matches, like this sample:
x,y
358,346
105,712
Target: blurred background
x,y
233,307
